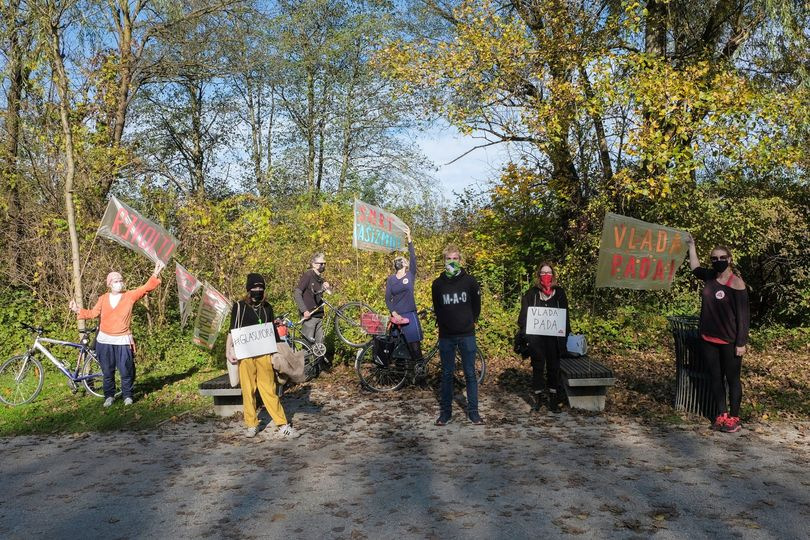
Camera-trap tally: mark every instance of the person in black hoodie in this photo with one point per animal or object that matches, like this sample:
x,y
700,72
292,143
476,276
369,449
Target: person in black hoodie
x,y
723,327
457,304
544,351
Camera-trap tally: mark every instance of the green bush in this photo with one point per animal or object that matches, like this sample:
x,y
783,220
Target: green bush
x,y
17,306
778,337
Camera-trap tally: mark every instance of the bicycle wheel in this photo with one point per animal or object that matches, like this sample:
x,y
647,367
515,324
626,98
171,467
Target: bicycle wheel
x,y
21,379
347,323
375,374
311,362
91,368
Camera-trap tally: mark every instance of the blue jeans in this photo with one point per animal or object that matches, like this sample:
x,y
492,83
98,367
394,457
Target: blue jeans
x,y
112,357
447,350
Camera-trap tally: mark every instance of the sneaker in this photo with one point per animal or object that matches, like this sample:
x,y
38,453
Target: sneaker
x,y
128,401
251,432
287,432
476,419
732,425
108,402
442,420
720,422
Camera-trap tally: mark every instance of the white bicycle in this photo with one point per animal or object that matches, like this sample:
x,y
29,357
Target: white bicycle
x,y
21,377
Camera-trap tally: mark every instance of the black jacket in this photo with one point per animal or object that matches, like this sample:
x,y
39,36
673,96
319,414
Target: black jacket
x,y
307,294
245,314
532,298
457,303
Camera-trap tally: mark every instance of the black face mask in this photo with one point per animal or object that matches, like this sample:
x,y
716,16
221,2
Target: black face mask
x,y
256,296
719,266
399,264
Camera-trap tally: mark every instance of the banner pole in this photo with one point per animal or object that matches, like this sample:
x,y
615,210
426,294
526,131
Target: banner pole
x,y
84,266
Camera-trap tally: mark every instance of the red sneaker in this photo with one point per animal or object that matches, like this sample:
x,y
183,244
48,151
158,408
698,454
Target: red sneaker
x,y
732,425
720,422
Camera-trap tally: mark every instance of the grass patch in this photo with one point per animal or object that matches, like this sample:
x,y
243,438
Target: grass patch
x,y
159,396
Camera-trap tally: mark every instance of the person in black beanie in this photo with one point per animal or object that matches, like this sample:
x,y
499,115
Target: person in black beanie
x,y
544,351
457,303
256,373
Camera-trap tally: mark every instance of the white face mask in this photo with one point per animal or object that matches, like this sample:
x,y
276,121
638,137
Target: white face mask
x,y
117,287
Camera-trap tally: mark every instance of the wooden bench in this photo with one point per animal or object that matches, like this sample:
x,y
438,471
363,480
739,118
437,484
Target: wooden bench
x,y
227,399
586,382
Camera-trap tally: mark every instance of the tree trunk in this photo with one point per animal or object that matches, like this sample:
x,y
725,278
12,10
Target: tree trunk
x,y
599,127
124,19
346,146
655,31
310,131
18,74
61,80
271,118
253,103
197,158
321,140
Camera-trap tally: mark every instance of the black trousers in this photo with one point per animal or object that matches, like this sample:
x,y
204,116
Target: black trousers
x,y
544,352
724,367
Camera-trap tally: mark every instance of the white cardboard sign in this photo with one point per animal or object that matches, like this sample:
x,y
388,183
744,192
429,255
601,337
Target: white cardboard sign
x,y
255,340
545,321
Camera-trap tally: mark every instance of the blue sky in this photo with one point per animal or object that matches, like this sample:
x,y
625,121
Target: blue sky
x,y
444,144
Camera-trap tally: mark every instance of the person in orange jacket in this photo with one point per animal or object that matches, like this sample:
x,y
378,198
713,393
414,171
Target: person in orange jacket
x,y
114,344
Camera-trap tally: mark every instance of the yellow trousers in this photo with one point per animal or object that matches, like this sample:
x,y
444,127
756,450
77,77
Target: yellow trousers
x,y
257,373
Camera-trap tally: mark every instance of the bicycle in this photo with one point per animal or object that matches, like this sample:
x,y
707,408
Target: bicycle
x,y
348,318
22,376
314,353
386,363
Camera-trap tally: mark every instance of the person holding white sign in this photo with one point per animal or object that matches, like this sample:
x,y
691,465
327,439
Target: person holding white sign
x,y
543,326
115,346
256,372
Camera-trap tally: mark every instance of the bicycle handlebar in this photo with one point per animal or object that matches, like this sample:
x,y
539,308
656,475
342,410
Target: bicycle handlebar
x,y
286,321
40,330
37,329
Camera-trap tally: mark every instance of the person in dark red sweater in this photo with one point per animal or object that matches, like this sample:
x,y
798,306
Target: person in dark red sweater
x,y
724,322
545,351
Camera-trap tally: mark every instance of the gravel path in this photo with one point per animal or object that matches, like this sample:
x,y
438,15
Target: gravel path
x,y
376,467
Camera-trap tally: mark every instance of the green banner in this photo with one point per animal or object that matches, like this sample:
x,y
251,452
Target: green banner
x,y
376,229
634,254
